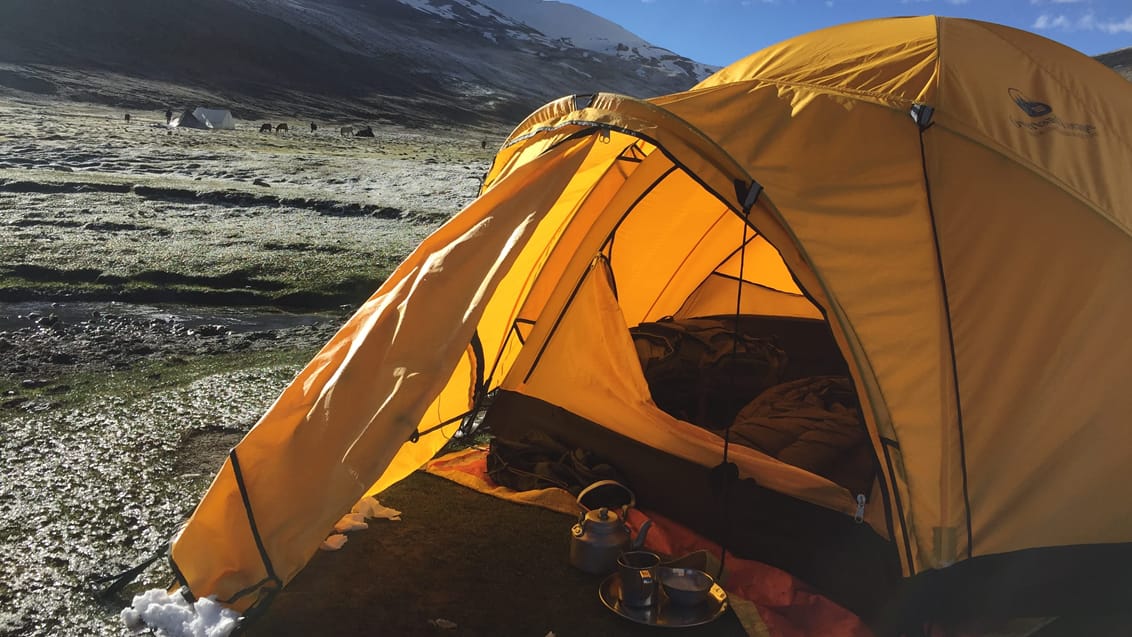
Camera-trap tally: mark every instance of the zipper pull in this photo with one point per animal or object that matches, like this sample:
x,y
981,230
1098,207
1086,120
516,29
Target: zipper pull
x,y
860,515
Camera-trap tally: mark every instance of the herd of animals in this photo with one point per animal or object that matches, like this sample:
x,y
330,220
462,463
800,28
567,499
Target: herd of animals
x,y
266,127
345,131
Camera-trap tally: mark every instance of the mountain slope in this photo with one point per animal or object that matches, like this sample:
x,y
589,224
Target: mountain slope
x,y
1120,61
414,61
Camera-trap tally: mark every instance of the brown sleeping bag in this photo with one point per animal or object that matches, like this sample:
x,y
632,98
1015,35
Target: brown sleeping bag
x,y
813,423
702,371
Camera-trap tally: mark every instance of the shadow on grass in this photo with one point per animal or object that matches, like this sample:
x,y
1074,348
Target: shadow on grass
x,y
492,567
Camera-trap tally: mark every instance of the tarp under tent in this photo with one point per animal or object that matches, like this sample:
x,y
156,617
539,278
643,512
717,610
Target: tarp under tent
x,y
946,199
205,118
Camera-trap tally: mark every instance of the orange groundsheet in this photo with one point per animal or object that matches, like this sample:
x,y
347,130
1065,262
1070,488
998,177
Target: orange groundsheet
x,y
786,607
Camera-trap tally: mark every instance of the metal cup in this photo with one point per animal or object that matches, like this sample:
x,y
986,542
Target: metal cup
x,y
639,582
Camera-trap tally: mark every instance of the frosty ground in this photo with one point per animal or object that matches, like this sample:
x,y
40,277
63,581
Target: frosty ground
x,y
116,407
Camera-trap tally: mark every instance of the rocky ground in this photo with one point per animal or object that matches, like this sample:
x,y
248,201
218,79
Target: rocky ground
x,y
49,347
158,289
95,208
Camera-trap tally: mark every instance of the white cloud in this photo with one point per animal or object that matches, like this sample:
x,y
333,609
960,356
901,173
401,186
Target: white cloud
x,y
1087,22
1113,27
1049,22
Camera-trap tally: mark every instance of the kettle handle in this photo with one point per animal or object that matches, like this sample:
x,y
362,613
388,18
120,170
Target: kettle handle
x,y
605,483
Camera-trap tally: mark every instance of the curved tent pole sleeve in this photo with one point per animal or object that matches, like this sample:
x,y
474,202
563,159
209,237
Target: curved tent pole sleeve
x,y
271,576
945,536
641,119
479,393
186,592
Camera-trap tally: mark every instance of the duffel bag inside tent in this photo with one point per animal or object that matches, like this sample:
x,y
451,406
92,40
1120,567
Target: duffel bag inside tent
x,y
947,200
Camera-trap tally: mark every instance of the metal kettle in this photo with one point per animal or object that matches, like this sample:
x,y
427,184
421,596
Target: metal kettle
x,y
601,535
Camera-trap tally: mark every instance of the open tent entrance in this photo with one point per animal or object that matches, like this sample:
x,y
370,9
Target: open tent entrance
x,y
686,342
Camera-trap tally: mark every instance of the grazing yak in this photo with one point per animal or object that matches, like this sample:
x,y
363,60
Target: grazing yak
x,y
282,128
265,128
346,131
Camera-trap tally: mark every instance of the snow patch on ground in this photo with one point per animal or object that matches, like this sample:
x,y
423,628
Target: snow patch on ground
x,y
171,615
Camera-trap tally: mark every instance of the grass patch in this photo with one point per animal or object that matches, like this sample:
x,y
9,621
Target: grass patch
x,y
290,286
144,378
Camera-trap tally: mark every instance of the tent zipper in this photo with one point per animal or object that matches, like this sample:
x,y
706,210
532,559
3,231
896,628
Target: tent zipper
x,y
859,516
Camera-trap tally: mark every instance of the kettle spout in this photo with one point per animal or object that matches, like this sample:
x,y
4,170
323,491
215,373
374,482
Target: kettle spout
x,y
640,541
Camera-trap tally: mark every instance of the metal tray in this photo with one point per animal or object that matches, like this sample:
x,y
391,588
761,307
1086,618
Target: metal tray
x,y
665,614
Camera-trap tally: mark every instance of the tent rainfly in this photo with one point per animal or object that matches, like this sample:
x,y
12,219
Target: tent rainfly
x,y
948,199
205,118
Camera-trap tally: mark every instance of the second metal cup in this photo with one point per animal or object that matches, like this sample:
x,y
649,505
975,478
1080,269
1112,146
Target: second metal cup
x,y
639,585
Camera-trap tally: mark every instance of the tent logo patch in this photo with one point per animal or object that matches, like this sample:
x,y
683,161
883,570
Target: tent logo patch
x,y
1031,108
1042,119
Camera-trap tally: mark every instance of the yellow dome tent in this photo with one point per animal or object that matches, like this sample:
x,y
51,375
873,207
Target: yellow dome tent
x,y
950,196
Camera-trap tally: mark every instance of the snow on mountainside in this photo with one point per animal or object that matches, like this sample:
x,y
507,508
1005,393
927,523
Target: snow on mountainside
x,y
563,26
560,20
475,50
580,28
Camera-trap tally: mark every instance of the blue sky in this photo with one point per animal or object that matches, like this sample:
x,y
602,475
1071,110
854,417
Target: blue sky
x,y
719,32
